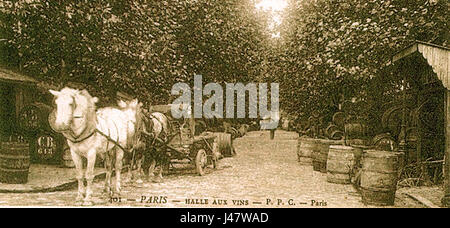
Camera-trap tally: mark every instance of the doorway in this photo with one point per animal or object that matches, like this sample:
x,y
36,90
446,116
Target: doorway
x,y
7,111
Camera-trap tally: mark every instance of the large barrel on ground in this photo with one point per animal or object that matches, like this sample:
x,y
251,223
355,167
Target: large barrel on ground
x,y
379,177
34,117
67,157
305,150
320,153
14,162
224,145
341,162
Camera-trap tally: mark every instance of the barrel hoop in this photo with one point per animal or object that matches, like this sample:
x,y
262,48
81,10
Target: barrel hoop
x,y
372,154
15,146
379,189
336,172
14,170
14,156
379,171
305,145
334,157
14,150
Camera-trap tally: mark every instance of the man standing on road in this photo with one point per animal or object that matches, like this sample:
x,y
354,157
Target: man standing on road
x,y
272,117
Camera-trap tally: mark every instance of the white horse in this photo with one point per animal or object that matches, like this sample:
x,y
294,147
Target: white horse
x,y
89,133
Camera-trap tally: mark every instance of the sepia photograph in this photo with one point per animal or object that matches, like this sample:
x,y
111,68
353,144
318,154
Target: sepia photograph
x,y
243,104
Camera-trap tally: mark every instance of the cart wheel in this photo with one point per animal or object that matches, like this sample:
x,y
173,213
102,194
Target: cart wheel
x,y
201,161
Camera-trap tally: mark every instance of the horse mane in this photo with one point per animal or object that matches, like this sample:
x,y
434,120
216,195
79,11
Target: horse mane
x,y
82,99
88,101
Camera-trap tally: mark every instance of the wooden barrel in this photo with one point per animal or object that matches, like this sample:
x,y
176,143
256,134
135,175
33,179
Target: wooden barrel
x,y
224,144
330,129
305,150
243,129
234,133
336,135
67,157
339,119
34,117
355,130
14,162
379,177
341,162
320,154
356,142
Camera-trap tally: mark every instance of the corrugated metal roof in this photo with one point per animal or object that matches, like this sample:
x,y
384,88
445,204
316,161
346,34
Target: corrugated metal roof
x,y
438,57
11,76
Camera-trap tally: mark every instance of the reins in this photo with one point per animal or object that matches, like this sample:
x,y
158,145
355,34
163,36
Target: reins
x,y
140,128
111,140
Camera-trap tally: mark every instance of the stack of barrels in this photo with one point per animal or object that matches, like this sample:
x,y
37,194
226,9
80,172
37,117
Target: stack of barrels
x,y
315,152
375,171
378,172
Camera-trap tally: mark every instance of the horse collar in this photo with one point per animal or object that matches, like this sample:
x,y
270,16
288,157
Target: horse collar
x,y
90,130
78,140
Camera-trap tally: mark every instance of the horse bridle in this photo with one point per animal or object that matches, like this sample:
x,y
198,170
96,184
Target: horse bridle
x,y
70,132
94,130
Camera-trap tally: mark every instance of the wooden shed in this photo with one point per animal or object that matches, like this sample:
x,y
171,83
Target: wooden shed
x,y
24,111
425,68
16,91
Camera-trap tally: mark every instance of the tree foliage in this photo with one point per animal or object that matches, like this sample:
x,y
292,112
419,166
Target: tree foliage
x,y
142,47
333,48
329,50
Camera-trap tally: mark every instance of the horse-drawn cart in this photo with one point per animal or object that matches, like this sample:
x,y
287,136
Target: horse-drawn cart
x,y
181,145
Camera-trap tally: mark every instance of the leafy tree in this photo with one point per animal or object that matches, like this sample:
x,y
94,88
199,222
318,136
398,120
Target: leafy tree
x,y
334,48
142,47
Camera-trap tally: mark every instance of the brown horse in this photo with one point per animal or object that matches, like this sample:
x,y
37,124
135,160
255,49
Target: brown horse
x,y
160,127
152,133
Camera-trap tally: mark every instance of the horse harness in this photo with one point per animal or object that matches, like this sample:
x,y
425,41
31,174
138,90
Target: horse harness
x,y
141,122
